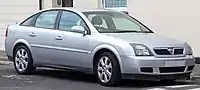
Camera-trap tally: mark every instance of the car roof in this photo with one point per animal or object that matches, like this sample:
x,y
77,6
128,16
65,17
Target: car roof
x,y
73,9
81,9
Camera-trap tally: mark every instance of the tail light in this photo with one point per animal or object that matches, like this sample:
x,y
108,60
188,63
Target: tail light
x,y
6,34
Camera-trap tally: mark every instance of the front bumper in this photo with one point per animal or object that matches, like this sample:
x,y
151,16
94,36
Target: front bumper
x,y
156,77
154,68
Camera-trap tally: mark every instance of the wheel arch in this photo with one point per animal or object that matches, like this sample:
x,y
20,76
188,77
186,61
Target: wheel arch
x,y
103,48
18,43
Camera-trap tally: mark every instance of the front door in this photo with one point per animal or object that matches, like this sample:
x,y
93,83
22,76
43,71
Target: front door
x,y
71,48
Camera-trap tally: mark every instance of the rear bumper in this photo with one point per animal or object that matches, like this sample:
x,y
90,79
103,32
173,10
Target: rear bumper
x,y
156,77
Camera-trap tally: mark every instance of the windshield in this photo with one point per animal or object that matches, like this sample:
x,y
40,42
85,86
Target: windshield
x,y
115,22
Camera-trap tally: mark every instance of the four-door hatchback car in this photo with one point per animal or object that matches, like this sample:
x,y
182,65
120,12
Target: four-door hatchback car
x,y
110,44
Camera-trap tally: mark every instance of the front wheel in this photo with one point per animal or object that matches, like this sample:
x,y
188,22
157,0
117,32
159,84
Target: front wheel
x,y
107,69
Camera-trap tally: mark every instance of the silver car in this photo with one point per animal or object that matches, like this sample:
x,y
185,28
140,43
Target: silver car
x,y
109,44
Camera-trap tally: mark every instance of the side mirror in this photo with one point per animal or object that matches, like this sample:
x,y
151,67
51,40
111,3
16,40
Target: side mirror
x,y
79,29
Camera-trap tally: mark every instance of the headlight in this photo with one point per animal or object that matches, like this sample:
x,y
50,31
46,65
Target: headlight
x,y
188,49
141,50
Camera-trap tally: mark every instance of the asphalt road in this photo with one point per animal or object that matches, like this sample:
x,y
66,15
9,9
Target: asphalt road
x,y
51,79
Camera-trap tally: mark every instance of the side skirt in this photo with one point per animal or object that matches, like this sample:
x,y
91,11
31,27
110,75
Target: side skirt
x,y
65,67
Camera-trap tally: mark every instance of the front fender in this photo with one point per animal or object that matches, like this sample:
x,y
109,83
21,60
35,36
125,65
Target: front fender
x,y
111,48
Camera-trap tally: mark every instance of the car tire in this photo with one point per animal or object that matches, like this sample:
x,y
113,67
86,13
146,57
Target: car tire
x,y
109,70
23,61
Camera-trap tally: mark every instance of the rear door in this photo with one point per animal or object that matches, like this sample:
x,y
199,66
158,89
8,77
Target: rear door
x,y
41,36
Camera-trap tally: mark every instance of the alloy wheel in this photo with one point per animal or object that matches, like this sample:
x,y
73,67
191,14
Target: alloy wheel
x,y
21,60
104,69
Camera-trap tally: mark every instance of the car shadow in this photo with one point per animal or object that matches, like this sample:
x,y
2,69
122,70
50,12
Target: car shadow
x,y
66,74
148,84
86,78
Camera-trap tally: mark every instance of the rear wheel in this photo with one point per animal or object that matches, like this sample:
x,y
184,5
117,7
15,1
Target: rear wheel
x,y
107,69
23,62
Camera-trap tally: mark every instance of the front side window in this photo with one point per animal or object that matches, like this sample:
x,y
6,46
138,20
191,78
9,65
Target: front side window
x,y
46,19
115,22
70,19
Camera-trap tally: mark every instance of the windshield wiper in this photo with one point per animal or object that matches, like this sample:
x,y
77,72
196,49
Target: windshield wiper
x,y
146,32
127,31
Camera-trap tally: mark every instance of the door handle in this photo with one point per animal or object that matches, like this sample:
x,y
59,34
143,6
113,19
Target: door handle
x,y
32,34
58,38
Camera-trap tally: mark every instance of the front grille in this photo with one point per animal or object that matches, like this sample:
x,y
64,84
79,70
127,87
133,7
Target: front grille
x,y
168,51
178,51
162,52
172,69
146,69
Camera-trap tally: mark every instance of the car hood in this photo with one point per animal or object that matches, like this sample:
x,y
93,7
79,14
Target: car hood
x,y
146,38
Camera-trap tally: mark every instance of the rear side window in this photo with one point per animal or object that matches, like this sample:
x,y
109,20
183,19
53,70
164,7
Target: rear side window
x,y
46,19
28,21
